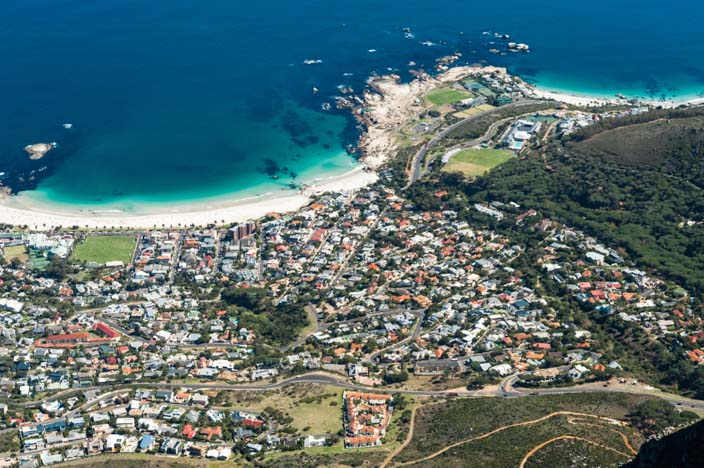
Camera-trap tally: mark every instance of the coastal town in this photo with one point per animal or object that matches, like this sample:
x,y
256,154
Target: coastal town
x,y
134,340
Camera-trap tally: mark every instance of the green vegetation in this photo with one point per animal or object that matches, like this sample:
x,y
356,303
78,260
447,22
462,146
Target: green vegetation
x,y
276,324
653,416
568,453
9,442
306,409
326,456
102,249
476,162
395,377
642,209
440,425
441,97
649,209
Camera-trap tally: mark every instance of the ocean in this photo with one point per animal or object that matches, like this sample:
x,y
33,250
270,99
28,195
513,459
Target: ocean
x,y
176,101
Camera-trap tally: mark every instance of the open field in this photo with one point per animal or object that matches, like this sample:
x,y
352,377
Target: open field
x,y
16,251
476,162
314,409
481,433
101,249
473,111
441,97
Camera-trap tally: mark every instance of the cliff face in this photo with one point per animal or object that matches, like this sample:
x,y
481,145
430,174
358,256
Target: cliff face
x,y
683,449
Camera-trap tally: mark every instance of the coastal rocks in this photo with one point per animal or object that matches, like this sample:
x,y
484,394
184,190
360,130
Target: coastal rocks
x,y
443,63
38,150
518,47
389,103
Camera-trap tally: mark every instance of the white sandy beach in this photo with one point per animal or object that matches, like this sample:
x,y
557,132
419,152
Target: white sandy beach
x,y
17,211
385,111
588,101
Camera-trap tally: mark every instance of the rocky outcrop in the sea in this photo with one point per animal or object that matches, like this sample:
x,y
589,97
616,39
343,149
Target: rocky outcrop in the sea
x,y
38,150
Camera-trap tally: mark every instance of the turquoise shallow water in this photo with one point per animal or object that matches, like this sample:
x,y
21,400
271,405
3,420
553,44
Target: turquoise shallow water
x,y
179,100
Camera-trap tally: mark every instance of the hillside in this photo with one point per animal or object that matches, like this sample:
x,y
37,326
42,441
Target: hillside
x,y
673,146
648,207
635,187
557,430
683,449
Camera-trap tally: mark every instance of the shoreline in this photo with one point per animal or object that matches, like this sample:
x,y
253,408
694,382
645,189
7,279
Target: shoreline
x,y
587,100
383,108
14,211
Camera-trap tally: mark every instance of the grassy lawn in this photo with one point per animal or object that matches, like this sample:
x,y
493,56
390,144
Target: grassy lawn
x,y
441,97
473,111
476,162
16,251
319,417
101,249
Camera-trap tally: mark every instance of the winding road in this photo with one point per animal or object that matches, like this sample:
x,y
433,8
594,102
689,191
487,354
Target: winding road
x,y
415,172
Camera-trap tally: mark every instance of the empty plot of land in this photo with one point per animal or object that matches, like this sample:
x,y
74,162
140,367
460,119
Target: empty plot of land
x,y
102,249
473,111
313,409
476,162
16,251
441,97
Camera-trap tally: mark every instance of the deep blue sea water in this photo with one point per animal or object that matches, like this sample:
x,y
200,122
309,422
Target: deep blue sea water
x,y
183,99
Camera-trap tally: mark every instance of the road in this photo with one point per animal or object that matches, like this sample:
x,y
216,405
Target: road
x,y
417,328
420,154
504,390
507,390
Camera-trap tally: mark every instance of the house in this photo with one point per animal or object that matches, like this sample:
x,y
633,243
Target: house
x,y
314,441
577,372
49,459
170,447
502,369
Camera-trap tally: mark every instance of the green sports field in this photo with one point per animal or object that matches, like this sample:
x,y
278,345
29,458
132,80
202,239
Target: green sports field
x,y
441,97
475,162
102,249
